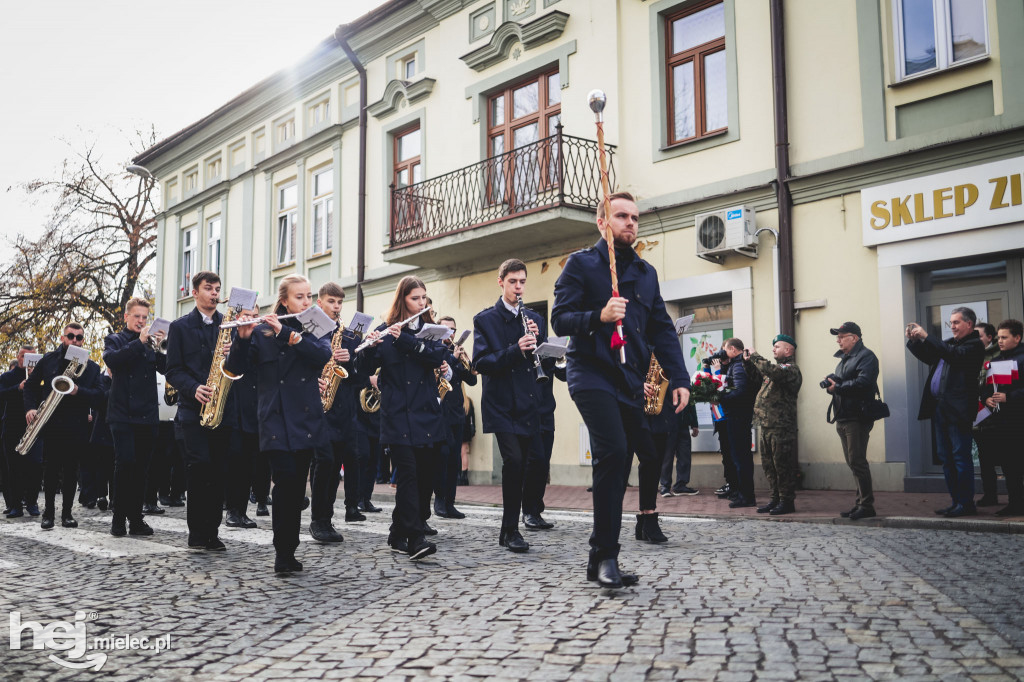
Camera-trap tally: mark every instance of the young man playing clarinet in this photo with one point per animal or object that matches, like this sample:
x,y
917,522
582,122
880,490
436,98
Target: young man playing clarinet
x,y
609,393
504,337
132,413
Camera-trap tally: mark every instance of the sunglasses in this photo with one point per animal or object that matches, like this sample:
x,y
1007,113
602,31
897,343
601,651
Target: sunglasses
x,y
76,337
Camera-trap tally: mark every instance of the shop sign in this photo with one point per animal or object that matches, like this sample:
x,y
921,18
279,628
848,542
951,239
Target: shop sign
x,y
964,199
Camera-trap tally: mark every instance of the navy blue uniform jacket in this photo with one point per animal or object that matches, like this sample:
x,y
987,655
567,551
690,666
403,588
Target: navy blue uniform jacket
x,y
958,385
409,411
511,395
14,424
133,367
190,344
72,415
100,434
582,290
452,403
740,393
291,415
342,417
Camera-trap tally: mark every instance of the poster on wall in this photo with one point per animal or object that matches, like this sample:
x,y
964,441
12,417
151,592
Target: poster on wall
x,y
980,309
696,347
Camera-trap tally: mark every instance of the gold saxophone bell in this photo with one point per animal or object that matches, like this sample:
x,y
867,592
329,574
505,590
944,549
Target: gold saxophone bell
x,y
656,375
443,385
369,397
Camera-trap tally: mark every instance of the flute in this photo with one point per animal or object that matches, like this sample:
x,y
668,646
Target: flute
x,y
255,320
370,342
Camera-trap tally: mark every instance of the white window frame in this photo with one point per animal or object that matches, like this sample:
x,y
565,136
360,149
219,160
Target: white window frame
x,y
214,168
943,40
322,108
189,260
405,63
322,203
284,132
191,181
171,192
214,241
287,218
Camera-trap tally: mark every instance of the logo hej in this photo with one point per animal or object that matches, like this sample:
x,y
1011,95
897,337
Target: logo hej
x,y
59,636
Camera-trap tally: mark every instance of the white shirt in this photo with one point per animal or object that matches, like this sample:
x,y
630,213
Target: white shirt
x,y
512,309
206,318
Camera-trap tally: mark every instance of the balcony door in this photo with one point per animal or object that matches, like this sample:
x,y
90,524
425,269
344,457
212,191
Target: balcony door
x,y
407,209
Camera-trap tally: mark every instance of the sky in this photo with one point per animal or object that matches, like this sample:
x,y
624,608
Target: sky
x,y
94,71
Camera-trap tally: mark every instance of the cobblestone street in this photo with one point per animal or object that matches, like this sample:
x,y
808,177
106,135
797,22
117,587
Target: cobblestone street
x,y
724,600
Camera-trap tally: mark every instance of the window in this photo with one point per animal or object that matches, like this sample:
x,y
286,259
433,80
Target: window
x,y
406,208
213,244
323,211
238,154
171,192
319,113
932,35
409,67
259,145
695,72
287,215
518,118
213,166
285,131
189,260
191,181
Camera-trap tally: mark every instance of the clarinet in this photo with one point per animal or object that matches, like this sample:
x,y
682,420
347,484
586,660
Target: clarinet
x,y
541,376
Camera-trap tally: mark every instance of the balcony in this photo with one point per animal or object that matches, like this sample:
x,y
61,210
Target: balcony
x,y
541,194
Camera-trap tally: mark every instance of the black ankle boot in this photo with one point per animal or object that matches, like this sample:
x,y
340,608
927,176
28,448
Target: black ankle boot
x,y
650,529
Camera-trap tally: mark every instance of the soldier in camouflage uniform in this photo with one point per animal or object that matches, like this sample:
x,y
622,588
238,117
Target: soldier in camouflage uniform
x,y
775,412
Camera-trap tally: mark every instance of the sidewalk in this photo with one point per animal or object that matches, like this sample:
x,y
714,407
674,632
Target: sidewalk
x,y
895,510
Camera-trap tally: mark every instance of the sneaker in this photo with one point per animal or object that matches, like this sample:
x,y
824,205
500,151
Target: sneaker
x,y
421,549
14,513
664,492
32,509
724,490
353,514
117,528
398,545
681,490
195,542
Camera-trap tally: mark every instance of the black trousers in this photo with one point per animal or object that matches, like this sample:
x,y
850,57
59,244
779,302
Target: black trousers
x,y
23,472
206,459
244,447
379,456
167,469
60,467
260,475
988,459
447,478
367,466
616,432
738,427
521,489
289,471
676,449
327,463
728,465
543,471
133,450
414,467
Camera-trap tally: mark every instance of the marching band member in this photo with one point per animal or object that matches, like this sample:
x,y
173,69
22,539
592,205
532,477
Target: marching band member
x,y
288,361
411,421
245,450
68,429
22,474
608,393
132,413
191,342
503,353
446,481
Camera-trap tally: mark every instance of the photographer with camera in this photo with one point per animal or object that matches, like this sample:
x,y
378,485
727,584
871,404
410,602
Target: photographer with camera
x,y
738,402
731,488
852,386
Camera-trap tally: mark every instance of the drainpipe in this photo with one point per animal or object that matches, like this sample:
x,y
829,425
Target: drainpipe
x,y
782,177
340,36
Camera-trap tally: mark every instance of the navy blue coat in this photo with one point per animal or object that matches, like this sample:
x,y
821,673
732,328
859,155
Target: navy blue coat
x,y
291,415
100,434
246,402
190,345
547,398
511,395
342,417
452,403
133,367
14,424
958,385
740,393
581,292
72,415
409,411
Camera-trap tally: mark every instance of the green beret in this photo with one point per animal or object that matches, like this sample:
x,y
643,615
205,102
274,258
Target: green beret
x,y
785,337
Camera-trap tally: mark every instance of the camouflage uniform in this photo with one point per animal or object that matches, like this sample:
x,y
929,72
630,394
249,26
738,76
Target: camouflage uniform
x,y
775,413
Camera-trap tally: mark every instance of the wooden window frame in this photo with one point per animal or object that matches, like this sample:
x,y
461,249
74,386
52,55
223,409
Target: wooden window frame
x,y
696,55
410,215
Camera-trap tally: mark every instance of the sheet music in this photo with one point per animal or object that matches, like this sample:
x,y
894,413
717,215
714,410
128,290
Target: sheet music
x,y
360,324
316,322
554,347
434,332
32,358
74,352
683,323
159,325
246,298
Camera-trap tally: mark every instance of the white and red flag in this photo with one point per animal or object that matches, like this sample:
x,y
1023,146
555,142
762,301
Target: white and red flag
x,y
1001,372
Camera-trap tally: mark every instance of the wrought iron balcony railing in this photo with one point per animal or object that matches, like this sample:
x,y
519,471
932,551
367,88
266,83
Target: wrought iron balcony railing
x,y
556,171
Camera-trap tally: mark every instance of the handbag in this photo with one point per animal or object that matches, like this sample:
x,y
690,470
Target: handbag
x,y
875,408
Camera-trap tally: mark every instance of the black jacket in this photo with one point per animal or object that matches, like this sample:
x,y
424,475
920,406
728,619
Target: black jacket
x,y
190,345
133,367
858,379
1010,417
72,415
740,393
452,403
342,418
957,399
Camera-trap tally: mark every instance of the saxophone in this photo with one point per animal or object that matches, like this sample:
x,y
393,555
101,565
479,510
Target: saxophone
x,y
443,385
369,397
62,384
655,375
333,373
220,380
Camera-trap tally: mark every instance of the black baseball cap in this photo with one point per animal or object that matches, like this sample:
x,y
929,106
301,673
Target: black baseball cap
x,y
846,328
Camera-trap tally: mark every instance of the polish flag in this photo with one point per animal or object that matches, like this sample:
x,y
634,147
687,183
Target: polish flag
x,y
717,413
1002,372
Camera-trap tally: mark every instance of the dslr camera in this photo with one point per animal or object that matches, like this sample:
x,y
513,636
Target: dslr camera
x,y
720,355
824,382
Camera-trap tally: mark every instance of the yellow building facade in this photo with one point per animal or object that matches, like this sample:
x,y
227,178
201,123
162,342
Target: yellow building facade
x,y
480,146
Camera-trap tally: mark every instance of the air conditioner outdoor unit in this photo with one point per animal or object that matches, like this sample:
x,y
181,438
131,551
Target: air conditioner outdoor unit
x,y
725,231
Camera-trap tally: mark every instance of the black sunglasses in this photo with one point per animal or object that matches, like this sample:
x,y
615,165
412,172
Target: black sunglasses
x,y
76,337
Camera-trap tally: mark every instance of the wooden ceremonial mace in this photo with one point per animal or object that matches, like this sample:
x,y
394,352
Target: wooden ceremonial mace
x,y
597,99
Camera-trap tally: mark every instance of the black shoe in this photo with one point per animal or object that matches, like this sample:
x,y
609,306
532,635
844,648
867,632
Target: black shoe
x,y
724,491
324,531
178,501
608,574
628,579
215,545
164,500
151,509
650,530
454,513
421,549
684,490
846,514
353,514
861,513
32,509
284,565
91,504
252,497
68,521
234,520
536,522
987,501
247,522
1011,510
382,480
945,510
398,545
783,508
366,506
741,502
270,501
196,542
305,503
117,527
139,527
768,507
440,508
427,530
14,513
510,539
261,510
47,522
960,510
102,503
464,478
638,531
733,495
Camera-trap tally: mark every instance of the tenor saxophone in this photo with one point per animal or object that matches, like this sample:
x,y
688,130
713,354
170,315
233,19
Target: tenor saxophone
x,y
62,384
656,375
220,380
333,373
